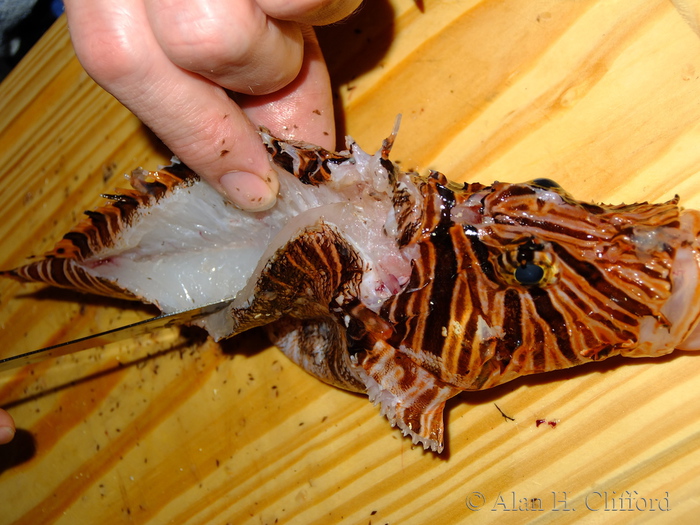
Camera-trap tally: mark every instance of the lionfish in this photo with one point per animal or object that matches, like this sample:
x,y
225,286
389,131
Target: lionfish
x,y
410,289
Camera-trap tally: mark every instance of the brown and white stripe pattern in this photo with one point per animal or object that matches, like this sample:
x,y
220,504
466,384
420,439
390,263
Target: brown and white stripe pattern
x,y
506,280
99,230
467,323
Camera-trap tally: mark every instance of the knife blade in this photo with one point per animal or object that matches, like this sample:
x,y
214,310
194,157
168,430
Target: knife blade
x,y
114,335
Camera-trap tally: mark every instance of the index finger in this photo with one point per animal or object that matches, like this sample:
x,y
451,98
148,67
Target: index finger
x,y
193,116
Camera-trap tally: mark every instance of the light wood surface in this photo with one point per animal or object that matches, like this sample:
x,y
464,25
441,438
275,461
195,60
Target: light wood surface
x,y
602,96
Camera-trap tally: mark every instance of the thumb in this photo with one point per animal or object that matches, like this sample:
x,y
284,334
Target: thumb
x,y
192,115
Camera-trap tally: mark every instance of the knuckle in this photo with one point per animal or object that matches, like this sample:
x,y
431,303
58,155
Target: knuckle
x,y
110,57
314,12
208,44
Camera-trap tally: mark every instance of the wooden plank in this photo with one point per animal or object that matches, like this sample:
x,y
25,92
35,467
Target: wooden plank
x,y
601,96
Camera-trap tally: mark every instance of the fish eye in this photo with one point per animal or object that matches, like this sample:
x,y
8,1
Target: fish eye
x,y
530,262
529,273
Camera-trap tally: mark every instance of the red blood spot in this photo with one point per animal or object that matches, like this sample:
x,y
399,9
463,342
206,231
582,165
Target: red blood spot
x,y
100,262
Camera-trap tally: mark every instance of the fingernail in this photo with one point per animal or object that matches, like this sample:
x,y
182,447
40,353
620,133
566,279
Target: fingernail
x,y
248,191
6,434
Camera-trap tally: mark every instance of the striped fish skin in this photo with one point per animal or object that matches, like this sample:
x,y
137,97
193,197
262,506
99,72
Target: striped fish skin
x,y
414,289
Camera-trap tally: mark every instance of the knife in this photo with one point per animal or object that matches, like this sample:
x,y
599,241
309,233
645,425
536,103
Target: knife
x,y
114,335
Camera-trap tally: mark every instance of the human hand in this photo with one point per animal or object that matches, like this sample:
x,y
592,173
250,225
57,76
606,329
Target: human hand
x,y
171,63
7,427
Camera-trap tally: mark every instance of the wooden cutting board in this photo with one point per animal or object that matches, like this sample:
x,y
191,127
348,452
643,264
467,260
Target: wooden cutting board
x,y
602,96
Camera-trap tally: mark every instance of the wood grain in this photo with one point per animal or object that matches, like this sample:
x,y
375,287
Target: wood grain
x,y
602,96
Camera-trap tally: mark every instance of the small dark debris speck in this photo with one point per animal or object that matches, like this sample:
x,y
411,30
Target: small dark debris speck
x,y
505,416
